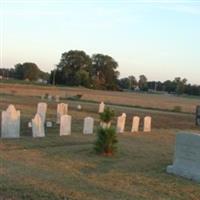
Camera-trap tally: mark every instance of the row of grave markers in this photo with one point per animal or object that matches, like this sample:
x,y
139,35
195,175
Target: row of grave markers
x,y
10,126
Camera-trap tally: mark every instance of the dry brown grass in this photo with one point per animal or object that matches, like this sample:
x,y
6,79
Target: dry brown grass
x,y
136,99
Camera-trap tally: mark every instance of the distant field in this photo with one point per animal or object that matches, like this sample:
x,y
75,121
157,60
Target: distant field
x,y
126,98
66,168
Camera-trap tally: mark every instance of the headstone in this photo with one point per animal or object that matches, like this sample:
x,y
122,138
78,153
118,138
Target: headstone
x,y
121,120
198,115
65,125
49,97
88,125
79,107
30,124
147,124
38,126
62,109
49,124
57,98
41,110
187,156
101,107
135,124
10,123
105,125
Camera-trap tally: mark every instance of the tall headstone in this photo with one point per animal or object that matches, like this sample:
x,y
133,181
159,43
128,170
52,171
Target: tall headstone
x,y
65,125
147,124
121,120
88,125
186,159
10,123
38,126
101,107
198,115
62,109
135,124
41,110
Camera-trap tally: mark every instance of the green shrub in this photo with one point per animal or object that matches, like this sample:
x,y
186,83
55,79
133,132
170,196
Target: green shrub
x,y
107,115
177,109
106,143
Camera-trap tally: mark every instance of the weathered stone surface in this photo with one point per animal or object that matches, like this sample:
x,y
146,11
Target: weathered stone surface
x,y
49,124
135,124
147,124
38,126
62,109
187,156
65,125
121,120
88,125
105,125
49,97
101,107
10,123
41,110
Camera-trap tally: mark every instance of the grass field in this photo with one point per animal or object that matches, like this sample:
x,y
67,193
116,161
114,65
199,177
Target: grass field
x,y
63,168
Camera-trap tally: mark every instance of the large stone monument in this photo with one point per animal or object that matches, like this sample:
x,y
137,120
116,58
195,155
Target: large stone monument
x,y
65,125
88,125
147,124
135,124
62,109
38,126
187,156
41,110
101,107
10,123
121,120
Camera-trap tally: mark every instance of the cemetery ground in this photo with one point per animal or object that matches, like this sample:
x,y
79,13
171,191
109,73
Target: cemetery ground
x,y
66,167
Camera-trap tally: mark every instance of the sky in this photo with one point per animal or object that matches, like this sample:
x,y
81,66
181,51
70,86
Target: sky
x,y
160,39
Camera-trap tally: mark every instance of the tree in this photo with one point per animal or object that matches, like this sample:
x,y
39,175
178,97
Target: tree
x,y
104,72
133,82
143,83
180,84
73,69
124,83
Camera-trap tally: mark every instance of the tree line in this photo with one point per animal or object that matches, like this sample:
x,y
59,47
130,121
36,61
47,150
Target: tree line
x,y
99,71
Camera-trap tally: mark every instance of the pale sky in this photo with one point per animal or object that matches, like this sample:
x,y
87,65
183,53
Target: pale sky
x,y
160,39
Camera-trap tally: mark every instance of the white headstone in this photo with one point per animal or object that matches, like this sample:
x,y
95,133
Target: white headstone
x,y
105,125
187,156
65,125
135,124
38,126
147,124
62,109
49,124
41,110
10,123
49,97
121,120
30,124
101,107
88,125
79,107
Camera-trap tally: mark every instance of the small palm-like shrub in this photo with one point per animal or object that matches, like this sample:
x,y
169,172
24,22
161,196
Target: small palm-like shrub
x,y
106,143
107,115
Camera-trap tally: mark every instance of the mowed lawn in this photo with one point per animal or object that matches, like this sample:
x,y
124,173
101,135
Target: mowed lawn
x,y
66,167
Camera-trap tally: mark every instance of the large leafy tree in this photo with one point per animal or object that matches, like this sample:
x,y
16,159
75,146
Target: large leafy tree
x,y
28,71
73,69
104,71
